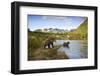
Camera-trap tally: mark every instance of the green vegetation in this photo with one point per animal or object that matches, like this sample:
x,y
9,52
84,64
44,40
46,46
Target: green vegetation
x,y
80,33
83,27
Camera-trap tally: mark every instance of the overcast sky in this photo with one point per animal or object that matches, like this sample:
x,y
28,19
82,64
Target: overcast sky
x,y
60,22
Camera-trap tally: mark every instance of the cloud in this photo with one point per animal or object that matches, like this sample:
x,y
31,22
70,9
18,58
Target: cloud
x,y
54,17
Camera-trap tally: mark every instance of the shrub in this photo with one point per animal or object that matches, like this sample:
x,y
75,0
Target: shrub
x,y
33,43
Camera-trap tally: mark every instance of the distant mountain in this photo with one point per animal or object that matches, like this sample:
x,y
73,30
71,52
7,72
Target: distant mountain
x,y
54,30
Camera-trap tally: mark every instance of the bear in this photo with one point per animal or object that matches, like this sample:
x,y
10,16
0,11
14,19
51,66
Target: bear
x,y
49,42
66,44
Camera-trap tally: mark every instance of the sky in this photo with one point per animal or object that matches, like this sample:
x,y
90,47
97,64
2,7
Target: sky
x,y
60,22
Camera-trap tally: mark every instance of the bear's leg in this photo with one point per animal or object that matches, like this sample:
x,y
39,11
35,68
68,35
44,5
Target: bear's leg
x,y
48,45
52,45
44,46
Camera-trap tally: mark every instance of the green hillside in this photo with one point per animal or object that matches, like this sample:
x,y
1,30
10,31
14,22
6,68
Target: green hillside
x,y
83,28
80,33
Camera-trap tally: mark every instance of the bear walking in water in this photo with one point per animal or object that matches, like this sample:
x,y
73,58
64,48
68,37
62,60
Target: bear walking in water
x,y
66,44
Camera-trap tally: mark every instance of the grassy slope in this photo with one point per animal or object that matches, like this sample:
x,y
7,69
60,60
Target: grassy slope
x,y
83,28
46,54
80,33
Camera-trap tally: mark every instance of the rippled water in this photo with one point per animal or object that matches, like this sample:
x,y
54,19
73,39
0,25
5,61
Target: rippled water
x,y
77,48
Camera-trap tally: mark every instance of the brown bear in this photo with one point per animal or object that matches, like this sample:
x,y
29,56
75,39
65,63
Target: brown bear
x,y
66,44
49,42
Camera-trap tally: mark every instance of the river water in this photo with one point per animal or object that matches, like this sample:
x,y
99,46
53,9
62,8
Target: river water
x,y
77,48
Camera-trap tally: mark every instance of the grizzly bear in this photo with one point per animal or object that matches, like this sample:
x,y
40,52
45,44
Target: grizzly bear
x,y
49,42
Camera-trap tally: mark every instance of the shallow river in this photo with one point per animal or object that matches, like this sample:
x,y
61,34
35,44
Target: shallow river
x,y
77,48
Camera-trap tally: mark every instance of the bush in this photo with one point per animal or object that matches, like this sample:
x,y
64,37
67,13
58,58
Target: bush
x,y
33,43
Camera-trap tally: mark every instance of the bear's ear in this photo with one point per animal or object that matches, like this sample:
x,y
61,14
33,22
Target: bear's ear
x,y
68,42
